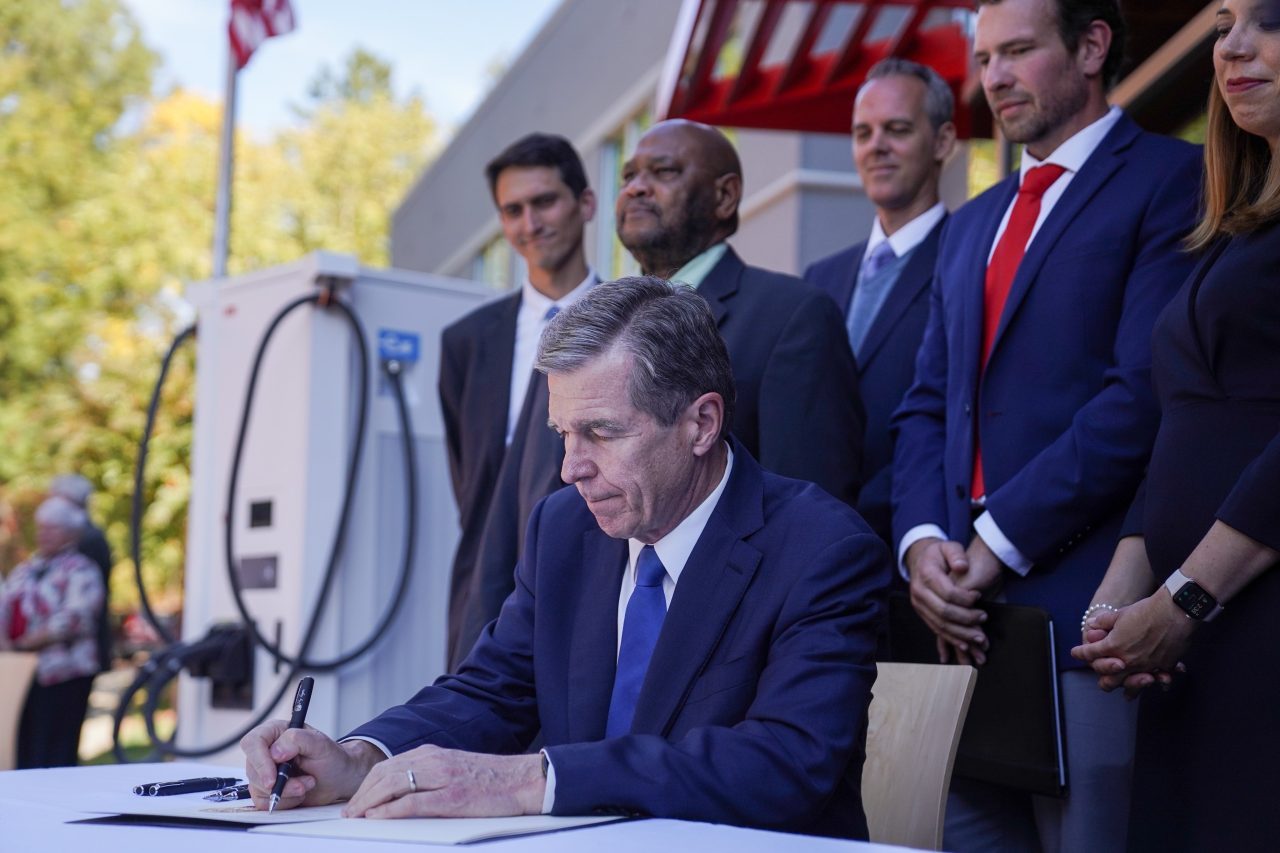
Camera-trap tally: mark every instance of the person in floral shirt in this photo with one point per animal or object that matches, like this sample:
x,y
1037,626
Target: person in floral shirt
x,y
50,605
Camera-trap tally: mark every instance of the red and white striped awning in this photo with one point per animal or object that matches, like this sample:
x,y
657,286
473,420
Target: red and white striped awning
x,y
796,64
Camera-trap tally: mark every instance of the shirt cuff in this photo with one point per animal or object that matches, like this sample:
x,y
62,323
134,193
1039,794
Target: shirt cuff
x,y
379,744
549,798
1000,545
914,535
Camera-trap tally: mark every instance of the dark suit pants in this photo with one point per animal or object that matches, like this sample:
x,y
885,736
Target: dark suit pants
x,y
49,733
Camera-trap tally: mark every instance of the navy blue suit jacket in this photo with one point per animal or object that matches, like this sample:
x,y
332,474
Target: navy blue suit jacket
x,y
754,710
888,361
1066,408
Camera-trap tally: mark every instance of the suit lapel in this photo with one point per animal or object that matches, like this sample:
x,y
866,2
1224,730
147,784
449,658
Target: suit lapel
x,y
973,294
914,278
593,655
711,587
720,285
493,371
844,293
544,450
1092,177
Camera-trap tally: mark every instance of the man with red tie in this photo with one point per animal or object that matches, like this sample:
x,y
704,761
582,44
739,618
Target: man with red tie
x,y
1029,424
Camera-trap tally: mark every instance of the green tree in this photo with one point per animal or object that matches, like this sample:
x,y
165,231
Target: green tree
x,y
68,71
106,209
347,166
71,74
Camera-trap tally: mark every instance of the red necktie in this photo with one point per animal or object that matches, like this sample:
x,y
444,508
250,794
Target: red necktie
x,y
1000,272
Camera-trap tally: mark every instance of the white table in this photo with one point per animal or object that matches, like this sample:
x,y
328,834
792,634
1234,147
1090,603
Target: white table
x,y
36,805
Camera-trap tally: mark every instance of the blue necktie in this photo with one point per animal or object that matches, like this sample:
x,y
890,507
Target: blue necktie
x,y
869,295
640,628
880,255
551,312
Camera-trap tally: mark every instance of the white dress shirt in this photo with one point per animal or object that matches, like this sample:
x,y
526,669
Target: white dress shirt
x,y
908,236
1071,155
531,320
673,549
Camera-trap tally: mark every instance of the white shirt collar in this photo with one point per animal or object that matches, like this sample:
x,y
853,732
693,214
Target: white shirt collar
x,y
1072,154
908,236
536,302
674,548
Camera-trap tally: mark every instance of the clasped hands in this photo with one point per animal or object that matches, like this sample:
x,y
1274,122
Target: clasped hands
x,y
1136,646
947,580
443,783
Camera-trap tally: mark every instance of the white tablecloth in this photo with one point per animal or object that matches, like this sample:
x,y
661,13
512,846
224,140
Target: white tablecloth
x,y
37,805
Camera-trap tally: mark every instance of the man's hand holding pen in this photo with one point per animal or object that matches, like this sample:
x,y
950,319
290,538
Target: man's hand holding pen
x,y
291,764
444,783
323,771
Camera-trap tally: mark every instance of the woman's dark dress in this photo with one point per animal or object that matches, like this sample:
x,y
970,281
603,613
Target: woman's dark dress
x,y
1207,771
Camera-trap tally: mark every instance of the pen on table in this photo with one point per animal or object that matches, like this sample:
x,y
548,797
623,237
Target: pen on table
x,y
235,792
184,786
301,700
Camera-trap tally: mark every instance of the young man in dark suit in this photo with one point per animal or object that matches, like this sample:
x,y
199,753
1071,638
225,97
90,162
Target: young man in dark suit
x,y
798,409
502,457
1027,431
690,636
902,135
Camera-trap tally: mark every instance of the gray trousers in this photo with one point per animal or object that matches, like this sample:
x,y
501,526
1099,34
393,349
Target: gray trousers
x,y
1093,817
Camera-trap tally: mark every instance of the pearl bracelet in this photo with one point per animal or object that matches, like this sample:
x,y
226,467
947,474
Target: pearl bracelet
x,y
1094,608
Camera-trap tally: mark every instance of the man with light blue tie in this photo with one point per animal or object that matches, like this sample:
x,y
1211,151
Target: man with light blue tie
x,y
690,636
902,135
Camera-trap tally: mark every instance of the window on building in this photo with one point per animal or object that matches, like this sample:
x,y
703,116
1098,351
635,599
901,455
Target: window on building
x,y
612,259
497,266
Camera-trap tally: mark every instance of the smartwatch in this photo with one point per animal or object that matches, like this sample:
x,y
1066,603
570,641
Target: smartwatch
x,y
1192,598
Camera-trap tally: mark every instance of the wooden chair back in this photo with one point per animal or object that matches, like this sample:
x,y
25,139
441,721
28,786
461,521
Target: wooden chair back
x,y
16,671
917,714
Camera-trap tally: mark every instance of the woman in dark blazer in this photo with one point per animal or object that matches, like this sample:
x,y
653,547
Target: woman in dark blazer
x,y
1191,601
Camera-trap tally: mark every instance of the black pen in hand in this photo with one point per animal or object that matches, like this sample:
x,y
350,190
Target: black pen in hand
x,y
301,700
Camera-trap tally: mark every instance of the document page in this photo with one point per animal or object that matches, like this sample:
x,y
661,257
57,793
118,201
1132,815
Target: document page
x,y
196,807
457,830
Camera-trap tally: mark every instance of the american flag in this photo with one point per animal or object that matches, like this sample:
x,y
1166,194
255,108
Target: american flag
x,y
253,22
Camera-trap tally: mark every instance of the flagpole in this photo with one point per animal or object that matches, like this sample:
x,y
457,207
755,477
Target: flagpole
x,y
226,166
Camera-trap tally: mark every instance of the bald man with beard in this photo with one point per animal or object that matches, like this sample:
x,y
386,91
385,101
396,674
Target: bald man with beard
x,y
798,408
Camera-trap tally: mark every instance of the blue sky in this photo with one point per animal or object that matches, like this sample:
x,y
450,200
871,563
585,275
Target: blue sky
x,y
438,48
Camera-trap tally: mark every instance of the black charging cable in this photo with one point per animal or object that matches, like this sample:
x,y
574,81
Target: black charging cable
x,y
164,666
135,525
393,370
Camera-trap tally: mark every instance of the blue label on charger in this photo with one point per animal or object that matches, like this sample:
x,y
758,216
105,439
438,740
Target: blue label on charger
x,y
397,346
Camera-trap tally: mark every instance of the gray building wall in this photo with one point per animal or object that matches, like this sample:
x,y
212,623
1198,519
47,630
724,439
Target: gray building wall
x,y
590,67
593,68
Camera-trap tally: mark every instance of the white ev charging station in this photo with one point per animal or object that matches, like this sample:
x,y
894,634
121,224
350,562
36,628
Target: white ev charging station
x,y
291,481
